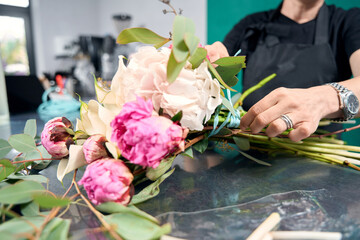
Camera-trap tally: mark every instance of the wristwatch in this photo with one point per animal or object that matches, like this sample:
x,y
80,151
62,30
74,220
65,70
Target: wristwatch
x,y
349,103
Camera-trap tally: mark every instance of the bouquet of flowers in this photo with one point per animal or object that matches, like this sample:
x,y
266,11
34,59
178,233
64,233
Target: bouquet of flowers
x,y
165,101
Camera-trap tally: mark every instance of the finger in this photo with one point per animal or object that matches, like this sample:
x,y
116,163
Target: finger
x,y
261,106
268,116
278,126
303,130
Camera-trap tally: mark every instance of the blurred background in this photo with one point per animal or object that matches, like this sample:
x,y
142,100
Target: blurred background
x,y
52,50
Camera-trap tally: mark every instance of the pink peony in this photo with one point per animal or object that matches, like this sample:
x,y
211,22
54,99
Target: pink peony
x,y
94,148
149,139
107,180
195,92
55,138
131,112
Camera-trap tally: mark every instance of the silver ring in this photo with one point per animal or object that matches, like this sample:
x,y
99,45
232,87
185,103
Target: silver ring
x,y
287,120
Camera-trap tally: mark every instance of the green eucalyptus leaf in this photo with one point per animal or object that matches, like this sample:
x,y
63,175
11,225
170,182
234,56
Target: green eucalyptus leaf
x,y
201,146
5,148
165,165
47,200
160,44
173,68
182,27
198,57
30,209
142,35
177,117
6,235
57,229
254,159
22,142
242,143
30,128
17,226
113,207
39,153
230,61
150,191
127,225
20,192
191,42
34,177
6,168
188,152
21,166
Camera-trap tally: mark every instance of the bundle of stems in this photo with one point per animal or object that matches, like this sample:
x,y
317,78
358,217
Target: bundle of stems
x,y
319,146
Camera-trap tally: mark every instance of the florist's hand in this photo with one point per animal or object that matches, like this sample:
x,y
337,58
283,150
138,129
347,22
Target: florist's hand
x,y
216,50
305,108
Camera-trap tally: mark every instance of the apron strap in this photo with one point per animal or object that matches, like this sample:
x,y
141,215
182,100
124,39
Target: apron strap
x,y
322,26
275,30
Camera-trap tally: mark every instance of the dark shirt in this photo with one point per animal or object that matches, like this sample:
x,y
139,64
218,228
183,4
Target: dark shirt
x,y
344,34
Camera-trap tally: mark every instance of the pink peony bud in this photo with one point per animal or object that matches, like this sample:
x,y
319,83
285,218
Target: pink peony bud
x,y
55,138
94,148
108,180
148,140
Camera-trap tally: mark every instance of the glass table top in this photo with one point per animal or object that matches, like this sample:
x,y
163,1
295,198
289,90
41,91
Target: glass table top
x,y
223,195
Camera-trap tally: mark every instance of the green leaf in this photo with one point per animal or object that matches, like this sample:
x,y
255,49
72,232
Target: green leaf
x,y
36,178
182,27
228,105
22,142
224,131
39,153
5,148
127,225
188,152
142,35
46,200
201,146
5,235
150,191
20,166
242,143
69,131
230,61
228,74
173,68
57,229
198,57
21,225
191,42
254,159
6,168
30,128
30,209
20,192
217,76
177,117
165,165
79,134
113,207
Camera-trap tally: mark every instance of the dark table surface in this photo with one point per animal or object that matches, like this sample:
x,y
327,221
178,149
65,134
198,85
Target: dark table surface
x,y
222,195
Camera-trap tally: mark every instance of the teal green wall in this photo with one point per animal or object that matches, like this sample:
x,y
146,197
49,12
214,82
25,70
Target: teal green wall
x,y
222,15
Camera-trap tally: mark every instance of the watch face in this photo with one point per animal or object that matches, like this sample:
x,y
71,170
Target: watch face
x,y
352,104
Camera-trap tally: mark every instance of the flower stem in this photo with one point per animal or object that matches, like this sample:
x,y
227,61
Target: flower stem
x,y
253,88
97,214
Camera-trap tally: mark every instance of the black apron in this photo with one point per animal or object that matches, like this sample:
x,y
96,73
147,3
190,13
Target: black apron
x,y
296,65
